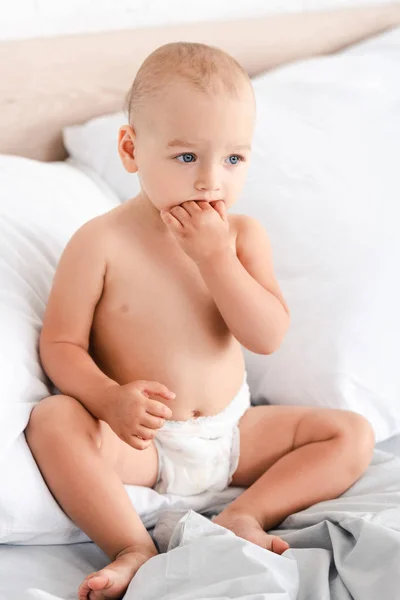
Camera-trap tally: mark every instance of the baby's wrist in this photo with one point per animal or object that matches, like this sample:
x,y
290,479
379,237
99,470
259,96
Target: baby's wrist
x,y
107,398
218,258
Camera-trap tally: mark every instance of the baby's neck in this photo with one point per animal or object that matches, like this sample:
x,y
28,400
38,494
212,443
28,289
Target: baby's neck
x,y
148,212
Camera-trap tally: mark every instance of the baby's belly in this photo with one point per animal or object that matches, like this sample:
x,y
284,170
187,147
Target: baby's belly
x,y
204,373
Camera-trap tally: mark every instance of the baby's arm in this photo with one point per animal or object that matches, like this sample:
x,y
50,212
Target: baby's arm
x,y
129,409
246,291
64,340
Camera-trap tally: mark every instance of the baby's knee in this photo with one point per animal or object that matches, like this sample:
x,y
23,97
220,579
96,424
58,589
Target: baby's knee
x,y
358,440
56,415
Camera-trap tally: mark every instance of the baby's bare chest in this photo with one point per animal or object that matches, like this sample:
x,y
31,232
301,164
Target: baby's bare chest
x,y
161,293
157,320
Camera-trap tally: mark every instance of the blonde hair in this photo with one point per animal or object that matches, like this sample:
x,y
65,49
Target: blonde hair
x,y
206,68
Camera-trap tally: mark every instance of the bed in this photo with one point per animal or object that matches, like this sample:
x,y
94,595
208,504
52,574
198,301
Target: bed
x,y
342,550
328,91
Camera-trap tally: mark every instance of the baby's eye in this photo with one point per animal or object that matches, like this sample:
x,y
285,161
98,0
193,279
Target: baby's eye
x,y
187,157
234,159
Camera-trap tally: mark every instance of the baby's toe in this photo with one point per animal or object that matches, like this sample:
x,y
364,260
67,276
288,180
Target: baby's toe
x,y
278,545
94,582
265,540
100,581
83,591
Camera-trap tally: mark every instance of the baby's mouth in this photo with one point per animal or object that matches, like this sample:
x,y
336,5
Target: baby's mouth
x,y
206,200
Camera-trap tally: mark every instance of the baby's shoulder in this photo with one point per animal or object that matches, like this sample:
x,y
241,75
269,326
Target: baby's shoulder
x,y
95,236
249,235
242,224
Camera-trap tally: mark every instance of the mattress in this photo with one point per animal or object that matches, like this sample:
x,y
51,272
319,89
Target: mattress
x,y
55,572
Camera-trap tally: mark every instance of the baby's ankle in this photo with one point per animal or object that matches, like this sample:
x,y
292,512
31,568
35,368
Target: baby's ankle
x,y
239,511
148,550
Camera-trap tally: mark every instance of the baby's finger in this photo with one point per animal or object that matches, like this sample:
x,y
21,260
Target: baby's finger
x,y
136,442
180,214
148,420
169,220
158,409
192,207
154,388
219,206
144,433
204,205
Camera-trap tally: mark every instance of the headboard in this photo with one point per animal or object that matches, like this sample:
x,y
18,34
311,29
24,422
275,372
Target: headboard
x,y
49,83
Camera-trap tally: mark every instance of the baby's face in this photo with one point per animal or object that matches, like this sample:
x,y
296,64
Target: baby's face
x,y
195,146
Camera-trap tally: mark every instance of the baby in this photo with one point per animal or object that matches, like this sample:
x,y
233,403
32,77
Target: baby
x,y
143,333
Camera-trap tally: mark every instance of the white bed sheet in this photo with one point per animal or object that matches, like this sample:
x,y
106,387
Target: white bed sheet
x,y
55,572
391,445
46,572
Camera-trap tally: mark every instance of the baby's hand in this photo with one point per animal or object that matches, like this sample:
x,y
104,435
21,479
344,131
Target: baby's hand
x,y
201,228
134,416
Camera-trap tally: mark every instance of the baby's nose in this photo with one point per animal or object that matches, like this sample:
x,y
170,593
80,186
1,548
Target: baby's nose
x,y
208,180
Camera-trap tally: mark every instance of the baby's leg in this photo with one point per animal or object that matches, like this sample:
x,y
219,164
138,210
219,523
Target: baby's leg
x,y
85,465
293,457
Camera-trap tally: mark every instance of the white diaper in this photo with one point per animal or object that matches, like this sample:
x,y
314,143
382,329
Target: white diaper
x,y
202,453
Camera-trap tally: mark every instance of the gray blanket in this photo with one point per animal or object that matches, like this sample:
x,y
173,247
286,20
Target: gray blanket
x,y
343,549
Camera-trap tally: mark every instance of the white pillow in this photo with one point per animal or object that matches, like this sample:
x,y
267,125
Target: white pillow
x,y
41,205
324,182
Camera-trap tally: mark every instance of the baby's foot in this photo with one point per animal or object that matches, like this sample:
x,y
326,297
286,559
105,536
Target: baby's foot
x,y
247,527
113,580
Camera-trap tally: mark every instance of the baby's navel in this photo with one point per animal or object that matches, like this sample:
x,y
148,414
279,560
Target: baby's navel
x,y
196,414
124,308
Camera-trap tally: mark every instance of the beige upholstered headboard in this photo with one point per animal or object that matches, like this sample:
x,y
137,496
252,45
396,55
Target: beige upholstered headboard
x,y
48,83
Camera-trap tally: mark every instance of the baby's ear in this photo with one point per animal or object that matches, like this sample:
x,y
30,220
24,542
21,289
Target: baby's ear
x,y
126,148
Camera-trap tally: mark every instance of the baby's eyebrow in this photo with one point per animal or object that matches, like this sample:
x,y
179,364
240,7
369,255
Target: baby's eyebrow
x,y
180,143
186,144
243,147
